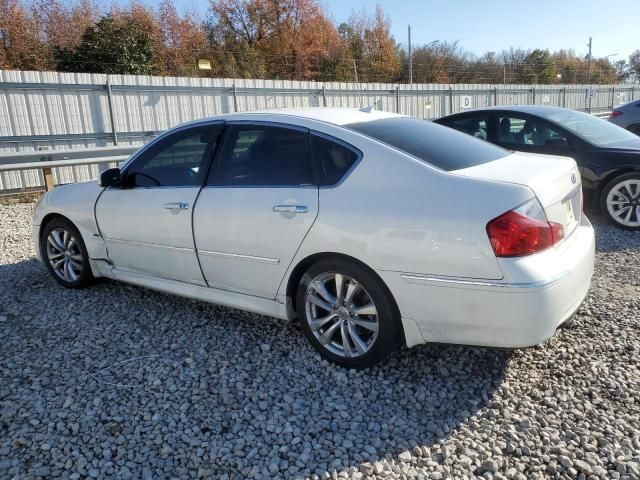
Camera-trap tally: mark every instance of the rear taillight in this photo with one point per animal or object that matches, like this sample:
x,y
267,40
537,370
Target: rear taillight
x,y
523,231
615,113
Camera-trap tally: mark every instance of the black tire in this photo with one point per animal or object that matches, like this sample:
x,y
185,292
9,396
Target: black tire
x,y
389,331
84,275
635,201
634,129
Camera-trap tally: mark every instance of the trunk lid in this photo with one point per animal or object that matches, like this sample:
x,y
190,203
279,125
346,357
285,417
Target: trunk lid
x,y
554,180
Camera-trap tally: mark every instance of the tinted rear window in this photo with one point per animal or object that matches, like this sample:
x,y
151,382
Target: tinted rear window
x,y
435,144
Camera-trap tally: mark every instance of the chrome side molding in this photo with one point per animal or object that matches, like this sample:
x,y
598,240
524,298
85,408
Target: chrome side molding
x,y
464,282
237,256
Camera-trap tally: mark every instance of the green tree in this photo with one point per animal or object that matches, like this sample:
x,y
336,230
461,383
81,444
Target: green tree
x,y
116,44
538,67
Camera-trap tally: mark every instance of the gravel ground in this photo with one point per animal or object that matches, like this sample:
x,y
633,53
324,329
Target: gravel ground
x,y
119,381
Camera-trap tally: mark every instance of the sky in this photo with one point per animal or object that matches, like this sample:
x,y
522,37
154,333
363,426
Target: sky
x,y
494,25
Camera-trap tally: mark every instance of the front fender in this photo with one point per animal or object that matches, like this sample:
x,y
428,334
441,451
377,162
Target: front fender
x,y
76,202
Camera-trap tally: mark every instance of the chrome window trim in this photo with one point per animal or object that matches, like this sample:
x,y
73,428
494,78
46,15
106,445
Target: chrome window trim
x,y
268,123
306,187
153,187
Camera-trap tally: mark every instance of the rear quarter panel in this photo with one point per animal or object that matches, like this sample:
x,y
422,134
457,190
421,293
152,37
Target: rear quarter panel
x,y
396,213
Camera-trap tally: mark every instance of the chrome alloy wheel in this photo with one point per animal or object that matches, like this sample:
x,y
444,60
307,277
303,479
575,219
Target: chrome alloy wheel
x,y
64,255
623,203
341,314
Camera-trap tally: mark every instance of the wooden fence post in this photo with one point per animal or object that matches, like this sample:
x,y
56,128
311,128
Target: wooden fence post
x,y
47,174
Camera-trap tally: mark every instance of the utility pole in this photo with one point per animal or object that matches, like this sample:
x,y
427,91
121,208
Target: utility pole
x,y
504,74
589,80
589,64
410,57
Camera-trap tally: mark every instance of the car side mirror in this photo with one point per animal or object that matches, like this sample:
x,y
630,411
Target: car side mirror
x,y
557,142
111,178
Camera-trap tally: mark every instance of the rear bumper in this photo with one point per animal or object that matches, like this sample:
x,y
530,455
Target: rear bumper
x,y
536,295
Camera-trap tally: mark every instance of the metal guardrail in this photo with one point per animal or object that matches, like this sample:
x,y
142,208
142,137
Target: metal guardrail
x,y
46,160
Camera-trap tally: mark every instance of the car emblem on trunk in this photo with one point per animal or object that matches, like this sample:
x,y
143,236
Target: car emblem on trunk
x,y
574,179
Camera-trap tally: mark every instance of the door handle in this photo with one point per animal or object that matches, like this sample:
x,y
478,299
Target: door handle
x,y
176,206
291,208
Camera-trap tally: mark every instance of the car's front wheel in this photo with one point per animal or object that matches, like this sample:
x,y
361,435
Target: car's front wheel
x,y
621,201
347,314
64,253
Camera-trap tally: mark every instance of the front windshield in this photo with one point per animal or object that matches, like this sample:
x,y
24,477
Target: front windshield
x,y
592,129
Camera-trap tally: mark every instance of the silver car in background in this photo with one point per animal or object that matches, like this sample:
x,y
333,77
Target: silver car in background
x,y
627,116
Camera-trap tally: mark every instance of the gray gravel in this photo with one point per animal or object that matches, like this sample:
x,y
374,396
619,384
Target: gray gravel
x,y
119,381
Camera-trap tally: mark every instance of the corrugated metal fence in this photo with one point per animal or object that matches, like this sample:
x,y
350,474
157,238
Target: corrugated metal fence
x,y
54,111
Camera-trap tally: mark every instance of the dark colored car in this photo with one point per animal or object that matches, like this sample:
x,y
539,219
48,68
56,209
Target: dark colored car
x,y
608,156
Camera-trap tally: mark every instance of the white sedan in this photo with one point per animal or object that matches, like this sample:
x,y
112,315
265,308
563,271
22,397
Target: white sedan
x,y
373,229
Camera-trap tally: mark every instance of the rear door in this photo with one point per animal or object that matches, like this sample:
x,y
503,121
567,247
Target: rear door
x,y
259,203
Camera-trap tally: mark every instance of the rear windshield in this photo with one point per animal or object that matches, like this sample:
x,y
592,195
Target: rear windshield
x,y
440,146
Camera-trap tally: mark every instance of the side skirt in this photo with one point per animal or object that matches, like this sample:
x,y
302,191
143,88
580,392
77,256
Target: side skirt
x,y
240,301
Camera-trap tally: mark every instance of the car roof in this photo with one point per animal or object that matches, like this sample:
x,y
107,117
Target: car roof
x,y
335,116
531,109
631,104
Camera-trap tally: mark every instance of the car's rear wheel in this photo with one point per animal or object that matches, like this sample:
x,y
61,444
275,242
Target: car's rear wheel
x,y
347,314
635,129
64,253
621,201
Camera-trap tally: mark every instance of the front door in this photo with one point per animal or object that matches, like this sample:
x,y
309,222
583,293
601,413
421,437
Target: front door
x,y
259,203
146,223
